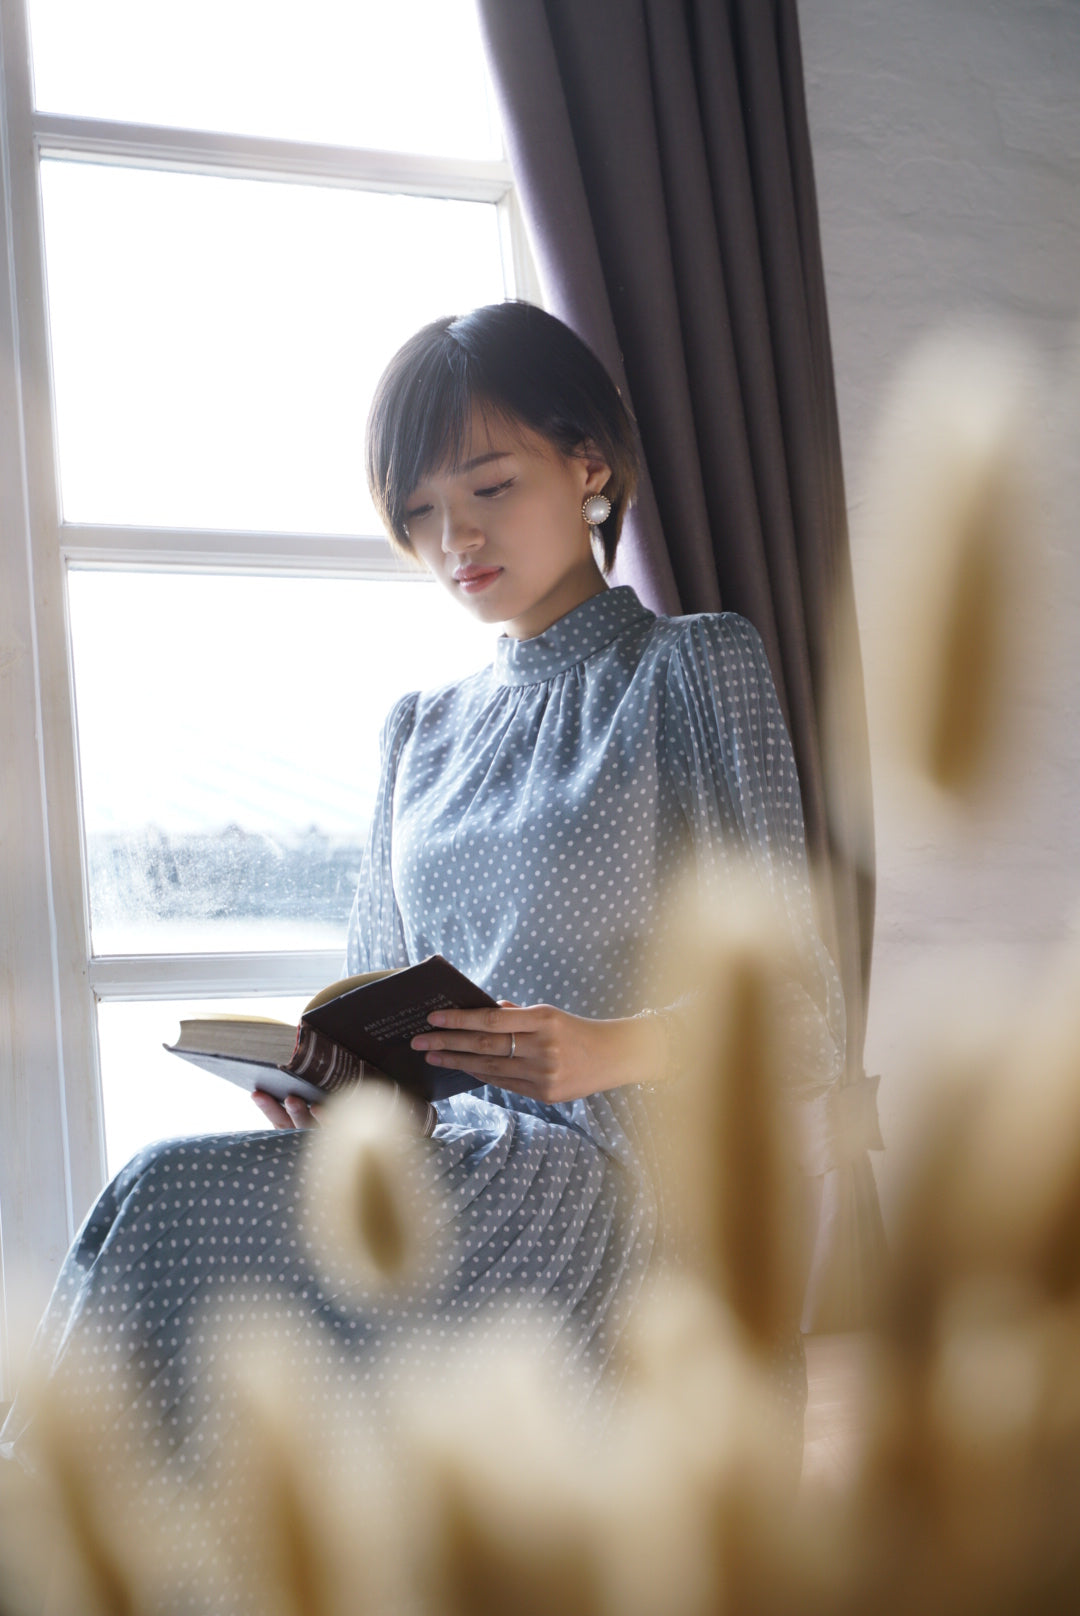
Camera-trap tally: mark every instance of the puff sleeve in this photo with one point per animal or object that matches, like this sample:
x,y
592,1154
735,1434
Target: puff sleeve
x,y
727,752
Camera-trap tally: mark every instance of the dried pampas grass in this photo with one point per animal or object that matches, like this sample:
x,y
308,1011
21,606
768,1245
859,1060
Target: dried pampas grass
x,y
695,1479
102,1522
732,1182
301,1512
1014,1200
499,1476
371,1217
952,521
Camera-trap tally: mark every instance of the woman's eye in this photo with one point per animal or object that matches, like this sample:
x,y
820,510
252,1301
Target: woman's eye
x,y
417,513
496,488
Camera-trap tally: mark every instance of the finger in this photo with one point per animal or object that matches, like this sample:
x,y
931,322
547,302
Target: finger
x,y
272,1109
504,1018
300,1112
472,1021
468,1043
499,1069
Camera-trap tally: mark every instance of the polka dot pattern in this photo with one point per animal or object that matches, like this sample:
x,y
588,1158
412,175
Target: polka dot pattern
x,y
526,821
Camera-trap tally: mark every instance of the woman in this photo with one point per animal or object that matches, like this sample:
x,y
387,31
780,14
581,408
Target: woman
x,y
527,822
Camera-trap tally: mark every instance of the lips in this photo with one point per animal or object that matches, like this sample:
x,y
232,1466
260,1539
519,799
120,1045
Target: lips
x,y
473,579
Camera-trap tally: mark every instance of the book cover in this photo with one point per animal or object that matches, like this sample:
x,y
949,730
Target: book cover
x,y
370,1019
378,1019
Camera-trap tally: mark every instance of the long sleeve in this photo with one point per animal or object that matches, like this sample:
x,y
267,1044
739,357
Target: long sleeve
x,y
730,759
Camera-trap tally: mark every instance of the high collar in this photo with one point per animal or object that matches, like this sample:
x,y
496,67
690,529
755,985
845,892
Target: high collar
x,y
573,639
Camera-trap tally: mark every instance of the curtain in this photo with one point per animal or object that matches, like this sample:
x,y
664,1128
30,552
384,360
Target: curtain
x,y
662,154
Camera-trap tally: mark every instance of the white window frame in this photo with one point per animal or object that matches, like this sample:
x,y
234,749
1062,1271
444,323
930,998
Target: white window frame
x,y
52,1147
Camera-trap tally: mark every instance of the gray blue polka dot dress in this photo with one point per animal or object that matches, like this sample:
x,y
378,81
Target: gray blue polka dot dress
x,y
526,822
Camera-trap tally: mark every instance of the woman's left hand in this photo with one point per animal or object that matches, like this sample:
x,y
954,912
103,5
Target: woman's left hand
x,y
292,1112
545,1053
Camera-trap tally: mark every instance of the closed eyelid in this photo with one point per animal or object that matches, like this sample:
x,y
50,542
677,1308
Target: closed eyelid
x,y
424,507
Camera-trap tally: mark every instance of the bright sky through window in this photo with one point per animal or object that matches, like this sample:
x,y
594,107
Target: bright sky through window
x,y
309,70
207,700
228,745
216,342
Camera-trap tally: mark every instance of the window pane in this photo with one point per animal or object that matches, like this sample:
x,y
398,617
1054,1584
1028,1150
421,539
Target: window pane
x,y
216,342
406,76
228,746
149,1094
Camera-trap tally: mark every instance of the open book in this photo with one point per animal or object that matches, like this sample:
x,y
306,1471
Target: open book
x,y
367,1019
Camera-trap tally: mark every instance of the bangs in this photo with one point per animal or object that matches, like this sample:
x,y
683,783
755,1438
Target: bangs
x,y
421,421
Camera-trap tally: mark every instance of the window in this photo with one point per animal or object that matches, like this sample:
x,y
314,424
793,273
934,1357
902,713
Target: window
x,y
221,217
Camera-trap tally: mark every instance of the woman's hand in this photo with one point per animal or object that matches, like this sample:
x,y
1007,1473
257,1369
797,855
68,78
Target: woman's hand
x,y
556,1056
293,1112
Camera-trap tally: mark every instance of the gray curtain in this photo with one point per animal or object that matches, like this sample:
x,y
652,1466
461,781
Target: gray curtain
x,y
662,154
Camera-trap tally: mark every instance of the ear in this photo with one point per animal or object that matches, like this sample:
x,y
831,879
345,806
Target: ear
x,y
597,470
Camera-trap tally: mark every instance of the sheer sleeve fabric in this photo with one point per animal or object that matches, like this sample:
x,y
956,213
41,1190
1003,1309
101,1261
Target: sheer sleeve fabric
x,y
730,759
376,939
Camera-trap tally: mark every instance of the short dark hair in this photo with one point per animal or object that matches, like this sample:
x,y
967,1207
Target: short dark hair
x,y
520,363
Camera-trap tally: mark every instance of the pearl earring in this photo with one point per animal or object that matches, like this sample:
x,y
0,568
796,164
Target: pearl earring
x,y
596,509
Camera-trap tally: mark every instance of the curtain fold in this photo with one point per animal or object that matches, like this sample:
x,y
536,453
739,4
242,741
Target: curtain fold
x,y
662,153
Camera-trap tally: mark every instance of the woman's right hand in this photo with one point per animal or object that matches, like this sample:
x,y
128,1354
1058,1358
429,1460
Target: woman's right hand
x,y
293,1112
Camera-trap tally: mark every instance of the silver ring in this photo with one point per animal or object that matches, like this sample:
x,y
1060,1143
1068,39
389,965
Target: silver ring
x,y
513,1046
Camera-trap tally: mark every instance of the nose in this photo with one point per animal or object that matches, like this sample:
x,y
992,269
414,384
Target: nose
x,y
460,533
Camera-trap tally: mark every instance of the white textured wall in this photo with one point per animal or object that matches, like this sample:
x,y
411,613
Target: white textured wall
x,y
947,148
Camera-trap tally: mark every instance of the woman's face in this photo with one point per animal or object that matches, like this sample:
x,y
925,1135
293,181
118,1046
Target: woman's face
x,y
504,533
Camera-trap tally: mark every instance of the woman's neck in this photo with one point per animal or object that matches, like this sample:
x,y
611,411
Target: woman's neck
x,y
574,587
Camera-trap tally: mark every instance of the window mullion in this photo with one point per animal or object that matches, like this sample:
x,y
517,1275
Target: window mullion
x,y
258,157
517,252
52,1154
208,976
102,545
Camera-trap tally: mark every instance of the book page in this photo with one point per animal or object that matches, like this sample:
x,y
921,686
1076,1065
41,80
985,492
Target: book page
x,y
347,983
